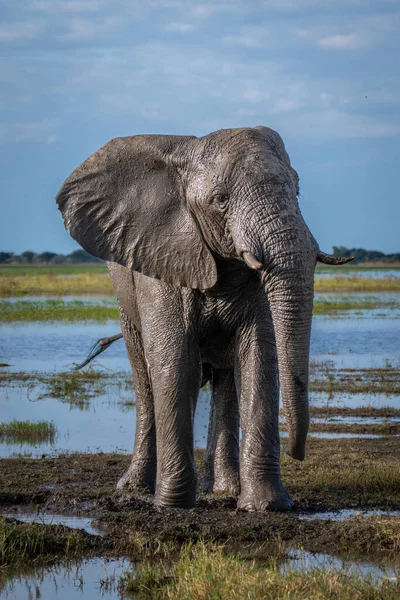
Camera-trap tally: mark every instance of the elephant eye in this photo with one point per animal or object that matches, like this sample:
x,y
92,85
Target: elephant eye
x,y
220,200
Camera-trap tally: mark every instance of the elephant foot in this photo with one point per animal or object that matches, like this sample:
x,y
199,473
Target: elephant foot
x,y
265,496
225,481
177,492
140,477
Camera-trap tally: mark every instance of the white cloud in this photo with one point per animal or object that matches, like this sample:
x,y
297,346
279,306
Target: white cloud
x,y
84,29
19,32
349,41
336,124
252,37
179,27
287,105
78,6
42,132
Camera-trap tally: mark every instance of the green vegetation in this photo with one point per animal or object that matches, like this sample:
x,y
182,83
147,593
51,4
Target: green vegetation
x,y
56,310
206,571
76,388
23,542
95,281
342,303
75,279
352,283
28,431
77,310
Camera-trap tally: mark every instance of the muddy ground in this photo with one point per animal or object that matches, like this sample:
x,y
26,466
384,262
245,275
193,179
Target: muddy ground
x,y
338,474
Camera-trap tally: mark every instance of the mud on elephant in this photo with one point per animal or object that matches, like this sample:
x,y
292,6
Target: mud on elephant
x,y
213,267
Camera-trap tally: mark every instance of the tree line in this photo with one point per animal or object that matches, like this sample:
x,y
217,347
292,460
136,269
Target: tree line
x,y
81,256
366,256
47,258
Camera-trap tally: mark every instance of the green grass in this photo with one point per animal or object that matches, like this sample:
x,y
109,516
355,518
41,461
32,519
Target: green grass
x,y
20,280
332,306
77,310
28,431
87,282
55,310
22,270
206,572
352,283
23,542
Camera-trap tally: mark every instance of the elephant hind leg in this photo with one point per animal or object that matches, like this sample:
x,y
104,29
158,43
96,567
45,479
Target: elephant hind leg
x,y
141,474
222,455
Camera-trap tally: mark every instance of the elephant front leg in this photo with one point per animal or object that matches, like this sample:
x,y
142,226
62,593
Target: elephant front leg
x,y
222,455
175,369
141,474
258,388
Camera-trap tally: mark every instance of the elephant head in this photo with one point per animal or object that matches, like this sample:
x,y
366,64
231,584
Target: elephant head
x,y
167,206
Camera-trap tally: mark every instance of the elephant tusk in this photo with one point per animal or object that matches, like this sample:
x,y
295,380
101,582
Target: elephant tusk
x,y
251,261
328,259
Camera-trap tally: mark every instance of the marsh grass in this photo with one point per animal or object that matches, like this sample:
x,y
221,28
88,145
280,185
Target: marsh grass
x,y
342,304
352,283
206,572
20,280
59,310
56,310
85,283
28,431
22,542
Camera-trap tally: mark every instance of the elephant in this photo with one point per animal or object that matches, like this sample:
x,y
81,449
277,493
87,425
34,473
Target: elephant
x,y
213,267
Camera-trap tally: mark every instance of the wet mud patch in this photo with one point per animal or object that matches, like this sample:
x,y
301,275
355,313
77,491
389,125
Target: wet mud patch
x,y
338,474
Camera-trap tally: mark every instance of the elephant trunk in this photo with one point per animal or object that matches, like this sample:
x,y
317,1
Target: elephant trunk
x,y
292,325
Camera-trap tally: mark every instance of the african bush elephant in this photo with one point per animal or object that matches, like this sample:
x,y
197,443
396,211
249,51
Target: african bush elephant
x,y
213,267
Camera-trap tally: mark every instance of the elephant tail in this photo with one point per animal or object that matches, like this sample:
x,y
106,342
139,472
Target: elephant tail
x,y
97,349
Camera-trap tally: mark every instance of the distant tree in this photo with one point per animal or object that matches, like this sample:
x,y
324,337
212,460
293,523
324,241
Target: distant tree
x,y
6,257
361,255
81,256
28,256
46,257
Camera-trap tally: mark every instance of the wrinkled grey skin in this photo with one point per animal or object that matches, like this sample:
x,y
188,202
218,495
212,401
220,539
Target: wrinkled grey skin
x,y
174,216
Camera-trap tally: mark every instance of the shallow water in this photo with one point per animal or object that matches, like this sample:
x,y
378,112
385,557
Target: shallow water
x,y
343,515
102,425
306,561
50,519
85,580
341,399
349,342
368,273
106,424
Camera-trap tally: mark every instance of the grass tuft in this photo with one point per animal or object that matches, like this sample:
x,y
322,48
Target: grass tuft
x,y
28,431
21,542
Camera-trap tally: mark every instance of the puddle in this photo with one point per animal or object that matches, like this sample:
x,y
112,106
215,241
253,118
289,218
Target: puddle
x,y
50,519
341,399
343,515
90,579
299,560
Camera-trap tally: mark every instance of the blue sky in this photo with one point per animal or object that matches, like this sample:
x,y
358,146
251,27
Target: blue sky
x,y
323,73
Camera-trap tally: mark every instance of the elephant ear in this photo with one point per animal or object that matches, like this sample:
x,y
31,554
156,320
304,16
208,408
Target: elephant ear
x,y
126,204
